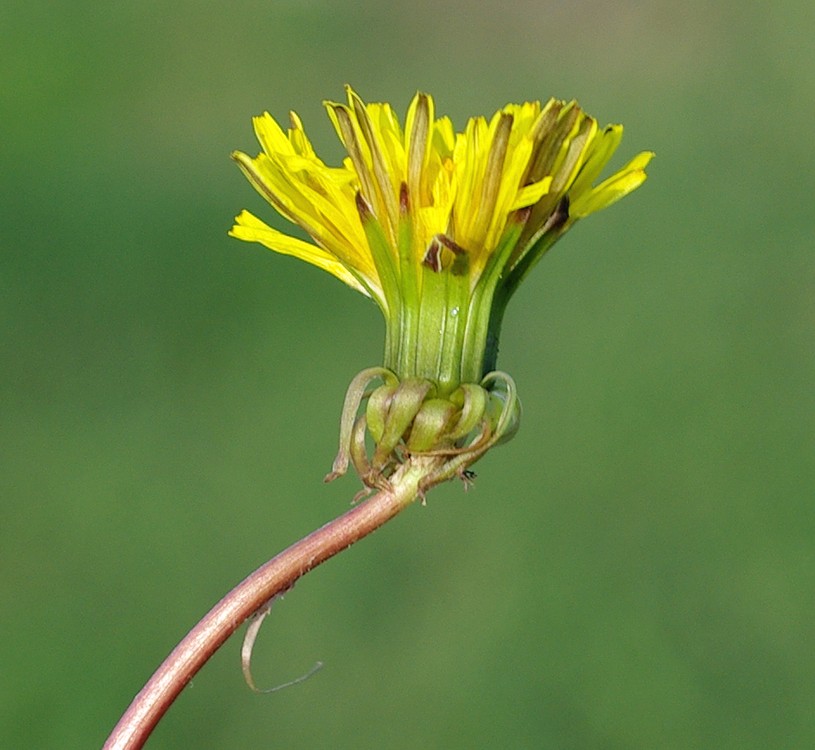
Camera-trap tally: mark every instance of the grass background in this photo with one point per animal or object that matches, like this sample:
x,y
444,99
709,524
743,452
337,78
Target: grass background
x,y
635,570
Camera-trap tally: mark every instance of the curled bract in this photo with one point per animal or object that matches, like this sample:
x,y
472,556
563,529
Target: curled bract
x,y
383,426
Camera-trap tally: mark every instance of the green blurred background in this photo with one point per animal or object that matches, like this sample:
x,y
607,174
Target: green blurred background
x,y
635,570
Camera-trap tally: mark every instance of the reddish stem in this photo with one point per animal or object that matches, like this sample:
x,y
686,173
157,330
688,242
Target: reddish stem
x,y
251,594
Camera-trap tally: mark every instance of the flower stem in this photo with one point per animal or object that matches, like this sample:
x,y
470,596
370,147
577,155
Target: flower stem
x,y
272,578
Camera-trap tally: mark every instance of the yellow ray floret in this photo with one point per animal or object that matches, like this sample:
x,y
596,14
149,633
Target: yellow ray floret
x,y
465,187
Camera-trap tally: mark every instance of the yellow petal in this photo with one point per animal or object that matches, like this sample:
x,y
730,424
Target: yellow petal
x,y
249,227
531,193
629,178
600,151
